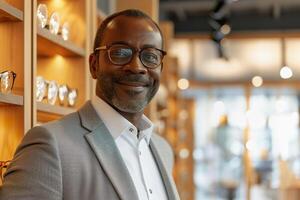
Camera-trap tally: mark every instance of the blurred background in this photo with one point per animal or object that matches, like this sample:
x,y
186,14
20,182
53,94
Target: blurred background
x,y
229,100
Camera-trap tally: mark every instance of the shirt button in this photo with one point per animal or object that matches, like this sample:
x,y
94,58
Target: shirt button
x,y
150,191
140,153
131,129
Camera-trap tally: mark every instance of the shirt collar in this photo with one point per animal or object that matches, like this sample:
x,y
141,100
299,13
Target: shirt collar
x,y
116,123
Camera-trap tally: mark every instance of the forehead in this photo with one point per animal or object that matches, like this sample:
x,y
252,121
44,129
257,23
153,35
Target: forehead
x,y
135,31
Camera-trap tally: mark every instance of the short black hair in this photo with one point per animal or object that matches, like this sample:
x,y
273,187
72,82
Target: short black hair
x,y
128,13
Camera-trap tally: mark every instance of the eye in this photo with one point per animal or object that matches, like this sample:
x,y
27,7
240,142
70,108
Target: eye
x,y
120,52
150,56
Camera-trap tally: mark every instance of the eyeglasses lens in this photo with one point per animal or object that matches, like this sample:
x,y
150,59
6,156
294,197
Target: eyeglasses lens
x,y
151,57
121,55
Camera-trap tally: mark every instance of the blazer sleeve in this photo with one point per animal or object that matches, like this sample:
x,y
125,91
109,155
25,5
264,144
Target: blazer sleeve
x,y
35,172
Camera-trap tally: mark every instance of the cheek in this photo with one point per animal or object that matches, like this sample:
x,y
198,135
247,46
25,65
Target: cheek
x,y
156,75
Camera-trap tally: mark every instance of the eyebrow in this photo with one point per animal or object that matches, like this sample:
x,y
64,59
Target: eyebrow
x,y
126,43
148,46
119,42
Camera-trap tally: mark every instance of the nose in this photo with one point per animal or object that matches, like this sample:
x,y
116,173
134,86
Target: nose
x,y
135,66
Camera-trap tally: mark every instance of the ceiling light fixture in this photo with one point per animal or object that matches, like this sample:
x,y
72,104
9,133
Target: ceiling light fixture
x,y
219,24
257,81
183,84
285,72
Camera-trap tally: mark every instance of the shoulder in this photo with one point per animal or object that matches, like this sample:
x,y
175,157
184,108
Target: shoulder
x,y
162,143
48,132
165,149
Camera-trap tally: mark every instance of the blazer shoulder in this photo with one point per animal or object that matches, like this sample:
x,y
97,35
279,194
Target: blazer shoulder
x,y
165,148
162,141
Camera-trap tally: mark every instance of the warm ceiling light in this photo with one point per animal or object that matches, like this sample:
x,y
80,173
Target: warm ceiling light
x,y
183,84
257,81
225,29
286,72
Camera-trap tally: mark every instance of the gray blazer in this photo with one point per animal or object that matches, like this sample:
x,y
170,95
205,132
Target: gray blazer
x,y
76,158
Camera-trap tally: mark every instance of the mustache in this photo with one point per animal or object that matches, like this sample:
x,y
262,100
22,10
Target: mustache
x,y
134,78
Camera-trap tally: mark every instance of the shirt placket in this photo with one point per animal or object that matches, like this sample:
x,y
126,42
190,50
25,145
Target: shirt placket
x,y
143,163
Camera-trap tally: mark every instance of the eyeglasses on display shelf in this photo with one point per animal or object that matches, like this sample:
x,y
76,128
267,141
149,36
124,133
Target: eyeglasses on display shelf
x,y
3,166
54,22
67,96
51,90
42,15
63,94
7,79
41,88
65,31
72,97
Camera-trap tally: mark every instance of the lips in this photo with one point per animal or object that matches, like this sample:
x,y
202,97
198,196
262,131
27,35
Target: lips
x,y
133,86
133,83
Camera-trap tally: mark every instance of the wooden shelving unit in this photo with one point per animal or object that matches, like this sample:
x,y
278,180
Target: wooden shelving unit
x,y
12,99
50,45
53,109
9,12
15,40
29,51
66,62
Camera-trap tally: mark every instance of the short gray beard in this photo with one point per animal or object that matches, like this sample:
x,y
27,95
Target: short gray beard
x,y
134,106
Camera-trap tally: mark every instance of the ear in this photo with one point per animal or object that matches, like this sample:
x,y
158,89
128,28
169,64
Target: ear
x,y
162,66
93,61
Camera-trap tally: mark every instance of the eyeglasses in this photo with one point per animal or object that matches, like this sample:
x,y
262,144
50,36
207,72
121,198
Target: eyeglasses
x,y
67,94
3,165
52,90
121,54
7,79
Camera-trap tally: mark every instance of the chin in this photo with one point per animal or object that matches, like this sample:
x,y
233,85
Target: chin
x,y
130,107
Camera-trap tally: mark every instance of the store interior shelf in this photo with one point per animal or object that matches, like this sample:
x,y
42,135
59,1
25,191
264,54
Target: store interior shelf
x,y
11,99
49,44
58,110
9,13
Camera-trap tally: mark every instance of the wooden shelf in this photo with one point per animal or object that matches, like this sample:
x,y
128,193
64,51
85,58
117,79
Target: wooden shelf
x,y
9,13
49,44
57,110
11,99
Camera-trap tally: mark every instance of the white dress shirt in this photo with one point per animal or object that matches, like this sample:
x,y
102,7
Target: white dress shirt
x,y
134,150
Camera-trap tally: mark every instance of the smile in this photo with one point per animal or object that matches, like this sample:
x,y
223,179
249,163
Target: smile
x,y
133,86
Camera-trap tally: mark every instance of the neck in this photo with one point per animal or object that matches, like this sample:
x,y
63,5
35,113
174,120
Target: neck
x,y
133,118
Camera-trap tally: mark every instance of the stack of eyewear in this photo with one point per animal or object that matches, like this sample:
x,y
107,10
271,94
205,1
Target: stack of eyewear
x,y
50,90
54,22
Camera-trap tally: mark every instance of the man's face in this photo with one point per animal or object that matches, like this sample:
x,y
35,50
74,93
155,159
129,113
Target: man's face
x,y
130,87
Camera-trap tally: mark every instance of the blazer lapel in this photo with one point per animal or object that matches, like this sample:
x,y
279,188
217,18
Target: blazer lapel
x,y
167,178
107,153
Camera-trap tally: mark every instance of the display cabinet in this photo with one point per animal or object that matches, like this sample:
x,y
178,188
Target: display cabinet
x,y
29,51
62,60
15,78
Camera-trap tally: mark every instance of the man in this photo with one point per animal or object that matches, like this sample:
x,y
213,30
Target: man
x,y
106,150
